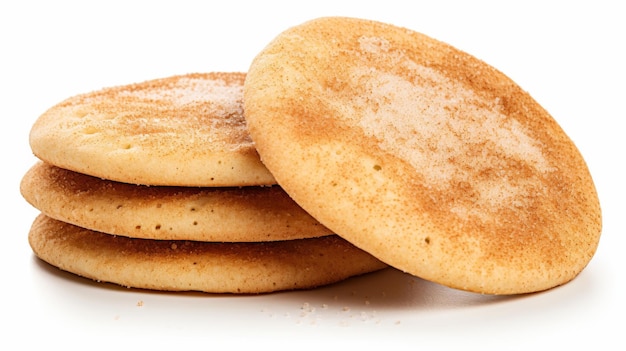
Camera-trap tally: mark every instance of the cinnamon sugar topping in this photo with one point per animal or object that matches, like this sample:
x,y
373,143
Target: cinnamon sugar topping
x,y
442,129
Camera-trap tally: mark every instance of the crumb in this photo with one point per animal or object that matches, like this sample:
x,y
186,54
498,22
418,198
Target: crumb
x,y
140,303
307,307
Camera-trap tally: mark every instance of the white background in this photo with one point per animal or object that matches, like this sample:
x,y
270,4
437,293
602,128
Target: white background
x,y
568,55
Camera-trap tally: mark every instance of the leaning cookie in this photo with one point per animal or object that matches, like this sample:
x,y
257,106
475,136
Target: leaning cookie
x,y
170,265
185,130
422,155
231,214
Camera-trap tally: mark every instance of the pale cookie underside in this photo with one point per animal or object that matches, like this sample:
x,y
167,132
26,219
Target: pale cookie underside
x,y
422,155
234,214
170,265
185,130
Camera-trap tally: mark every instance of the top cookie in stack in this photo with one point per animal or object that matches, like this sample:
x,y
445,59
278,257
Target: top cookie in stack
x,y
186,130
158,185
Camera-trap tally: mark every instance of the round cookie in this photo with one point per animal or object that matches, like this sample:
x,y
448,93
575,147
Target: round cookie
x,y
185,130
174,213
171,265
422,155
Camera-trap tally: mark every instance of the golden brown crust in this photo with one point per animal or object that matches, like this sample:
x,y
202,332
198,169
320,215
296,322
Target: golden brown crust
x,y
170,265
159,212
422,155
185,130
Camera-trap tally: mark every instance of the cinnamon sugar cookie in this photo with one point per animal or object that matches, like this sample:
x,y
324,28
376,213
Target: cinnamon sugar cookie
x,y
422,155
176,213
198,266
185,130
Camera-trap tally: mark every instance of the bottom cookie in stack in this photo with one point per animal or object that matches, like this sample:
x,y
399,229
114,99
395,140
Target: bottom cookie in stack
x,y
290,249
185,265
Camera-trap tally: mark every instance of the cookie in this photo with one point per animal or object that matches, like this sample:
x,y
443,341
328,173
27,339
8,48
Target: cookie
x,y
175,265
422,155
185,130
230,214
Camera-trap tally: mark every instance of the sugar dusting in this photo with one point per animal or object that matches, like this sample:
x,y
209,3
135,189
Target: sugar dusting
x,y
187,90
444,130
201,105
374,45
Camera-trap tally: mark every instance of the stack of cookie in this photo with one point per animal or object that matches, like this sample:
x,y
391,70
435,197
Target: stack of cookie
x,y
157,185
411,150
